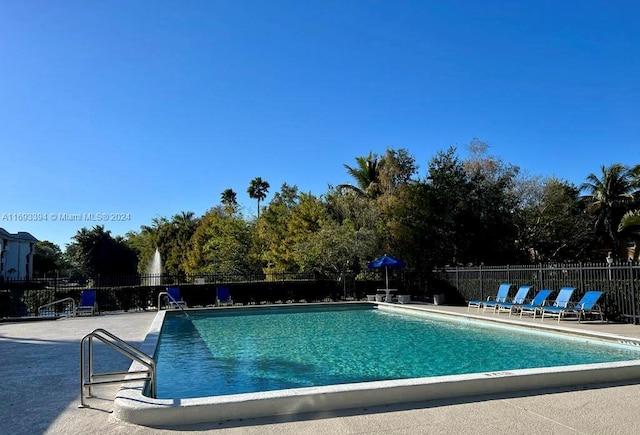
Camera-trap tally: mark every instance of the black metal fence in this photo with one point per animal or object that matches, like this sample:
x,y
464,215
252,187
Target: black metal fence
x,y
24,298
619,282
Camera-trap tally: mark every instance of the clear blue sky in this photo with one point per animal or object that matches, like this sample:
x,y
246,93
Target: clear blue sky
x,y
155,107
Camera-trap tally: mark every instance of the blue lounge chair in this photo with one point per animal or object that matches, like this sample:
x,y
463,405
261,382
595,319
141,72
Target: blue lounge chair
x,y
586,305
223,296
536,304
518,299
503,291
562,301
174,299
88,303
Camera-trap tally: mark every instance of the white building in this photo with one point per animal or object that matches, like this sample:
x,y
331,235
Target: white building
x,y
16,255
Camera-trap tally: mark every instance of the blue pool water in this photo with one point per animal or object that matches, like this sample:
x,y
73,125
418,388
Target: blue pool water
x,y
249,350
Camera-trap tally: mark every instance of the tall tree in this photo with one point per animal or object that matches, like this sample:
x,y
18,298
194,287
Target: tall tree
x,y
95,252
258,190
345,204
444,211
397,169
396,174
220,244
366,175
47,258
229,201
553,224
272,231
172,238
335,248
630,228
492,231
610,196
183,226
150,238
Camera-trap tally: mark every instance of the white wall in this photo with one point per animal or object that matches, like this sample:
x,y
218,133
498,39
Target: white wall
x,y
16,255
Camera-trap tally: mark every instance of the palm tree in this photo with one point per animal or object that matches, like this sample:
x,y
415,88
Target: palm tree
x,y
184,223
630,227
610,198
366,175
258,189
89,246
183,218
229,201
95,252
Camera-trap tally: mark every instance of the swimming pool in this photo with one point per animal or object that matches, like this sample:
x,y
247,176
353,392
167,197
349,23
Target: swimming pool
x,y
215,353
177,408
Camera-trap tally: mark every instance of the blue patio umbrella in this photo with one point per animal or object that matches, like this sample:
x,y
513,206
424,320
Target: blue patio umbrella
x,y
386,262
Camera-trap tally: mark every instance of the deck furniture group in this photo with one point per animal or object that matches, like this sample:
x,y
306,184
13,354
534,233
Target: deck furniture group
x,y
542,303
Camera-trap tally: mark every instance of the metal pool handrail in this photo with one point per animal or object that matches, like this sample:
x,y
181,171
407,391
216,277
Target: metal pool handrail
x,y
73,305
117,377
174,301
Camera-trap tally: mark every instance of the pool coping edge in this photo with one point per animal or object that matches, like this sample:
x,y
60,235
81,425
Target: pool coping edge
x,y
133,406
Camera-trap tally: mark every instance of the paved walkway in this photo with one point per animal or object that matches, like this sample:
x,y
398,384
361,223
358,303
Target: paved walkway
x,y
39,367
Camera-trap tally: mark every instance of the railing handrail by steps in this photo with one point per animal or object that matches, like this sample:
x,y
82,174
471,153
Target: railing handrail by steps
x,y
172,299
122,347
73,305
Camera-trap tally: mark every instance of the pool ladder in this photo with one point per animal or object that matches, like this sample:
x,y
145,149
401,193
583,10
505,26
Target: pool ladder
x,y
169,297
64,302
121,346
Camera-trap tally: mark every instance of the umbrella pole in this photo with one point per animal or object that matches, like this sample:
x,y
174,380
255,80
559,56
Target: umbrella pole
x,y
386,272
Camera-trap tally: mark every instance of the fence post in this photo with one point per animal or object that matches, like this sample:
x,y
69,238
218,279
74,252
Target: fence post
x,y
508,274
481,286
541,276
633,294
581,275
55,286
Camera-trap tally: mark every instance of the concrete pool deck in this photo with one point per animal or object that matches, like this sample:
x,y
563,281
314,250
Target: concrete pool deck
x,y
39,366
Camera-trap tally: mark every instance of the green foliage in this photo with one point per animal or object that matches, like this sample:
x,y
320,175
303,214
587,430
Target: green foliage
x,y
610,196
477,210
397,169
630,223
429,213
172,238
347,205
48,258
273,236
366,174
555,225
229,201
220,244
258,190
95,252
630,228
461,213
335,248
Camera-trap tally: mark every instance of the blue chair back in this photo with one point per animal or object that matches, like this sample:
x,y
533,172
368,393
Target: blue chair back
x,y
539,299
521,294
88,298
174,292
503,292
564,296
222,293
589,299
